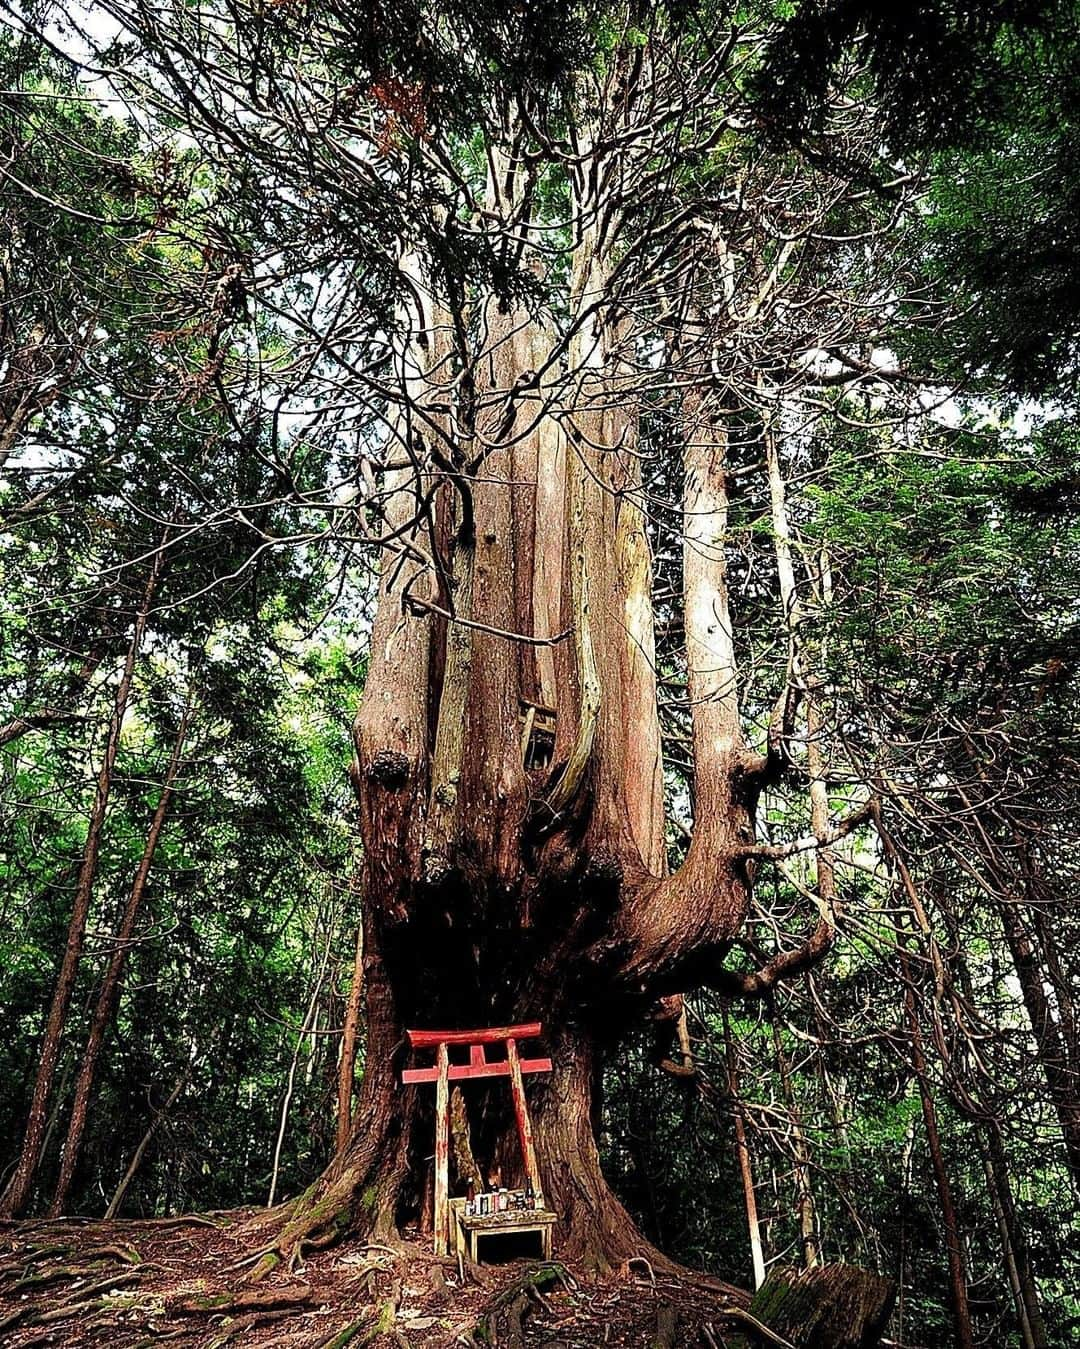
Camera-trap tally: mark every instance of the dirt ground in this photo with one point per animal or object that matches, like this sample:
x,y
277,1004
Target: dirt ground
x,y
183,1282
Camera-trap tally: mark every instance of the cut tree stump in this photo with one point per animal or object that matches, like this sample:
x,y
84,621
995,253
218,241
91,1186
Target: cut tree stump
x,y
828,1307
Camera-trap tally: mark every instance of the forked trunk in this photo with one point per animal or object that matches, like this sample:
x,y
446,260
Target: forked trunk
x,y
508,748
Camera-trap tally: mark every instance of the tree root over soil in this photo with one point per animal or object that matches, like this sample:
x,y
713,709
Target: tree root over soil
x,y
147,1285
314,1220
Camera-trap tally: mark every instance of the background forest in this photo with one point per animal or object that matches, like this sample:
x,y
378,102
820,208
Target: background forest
x,y
194,302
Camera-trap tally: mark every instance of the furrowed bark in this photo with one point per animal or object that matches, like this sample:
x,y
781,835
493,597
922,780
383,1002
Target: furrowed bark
x,y
576,734
682,926
830,1306
611,760
498,886
393,744
441,833
547,526
494,781
392,727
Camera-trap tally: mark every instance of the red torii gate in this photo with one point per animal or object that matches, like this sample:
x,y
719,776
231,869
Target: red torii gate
x,y
444,1072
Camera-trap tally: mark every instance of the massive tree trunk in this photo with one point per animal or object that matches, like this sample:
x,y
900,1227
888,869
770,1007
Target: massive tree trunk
x,y
514,869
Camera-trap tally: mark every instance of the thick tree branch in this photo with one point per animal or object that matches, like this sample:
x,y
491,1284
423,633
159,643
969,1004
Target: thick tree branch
x,y
33,721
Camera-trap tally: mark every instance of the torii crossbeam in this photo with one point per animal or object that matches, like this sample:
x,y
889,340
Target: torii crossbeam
x,y
444,1072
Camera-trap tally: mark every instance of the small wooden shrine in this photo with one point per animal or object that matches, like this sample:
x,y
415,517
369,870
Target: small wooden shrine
x,y
459,1227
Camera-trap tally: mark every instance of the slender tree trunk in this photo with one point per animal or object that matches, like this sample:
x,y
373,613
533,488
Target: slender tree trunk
x,y
66,1074
800,1152
902,1262
346,1076
953,1246
742,1157
1015,1253
1021,897
110,985
1051,1048
1008,1250
306,1029
834,1095
17,1193
1044,903
147,1138
804,658
1057,1055
999,1167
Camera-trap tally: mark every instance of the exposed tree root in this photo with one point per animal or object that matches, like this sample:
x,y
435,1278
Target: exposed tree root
x,y
758,1329
242,1300
318,1218
83,1300
56,1274
19,1266
384,1325
381,1294
18,1269
347,1335
120,1251
369,1327
503,1322
240,1326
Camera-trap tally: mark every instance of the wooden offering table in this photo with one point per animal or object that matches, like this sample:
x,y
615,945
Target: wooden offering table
x,y
469,1229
